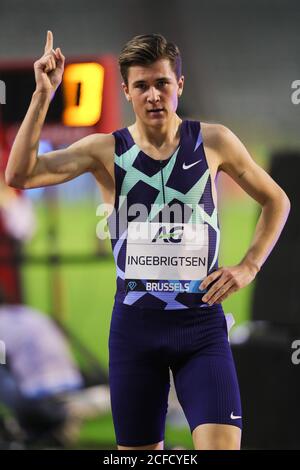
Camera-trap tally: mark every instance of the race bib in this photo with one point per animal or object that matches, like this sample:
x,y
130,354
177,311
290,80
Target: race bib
x,y
166,256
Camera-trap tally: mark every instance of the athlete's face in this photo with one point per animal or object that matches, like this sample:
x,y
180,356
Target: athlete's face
x,y
153,91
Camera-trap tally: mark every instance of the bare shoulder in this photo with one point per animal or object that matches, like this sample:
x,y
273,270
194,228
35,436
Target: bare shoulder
x,y
215,135
224,144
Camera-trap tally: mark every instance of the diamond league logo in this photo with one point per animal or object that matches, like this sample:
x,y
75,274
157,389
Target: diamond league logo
x,y
132,285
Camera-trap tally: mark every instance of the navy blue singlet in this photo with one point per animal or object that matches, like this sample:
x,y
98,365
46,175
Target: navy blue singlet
x,y
162,258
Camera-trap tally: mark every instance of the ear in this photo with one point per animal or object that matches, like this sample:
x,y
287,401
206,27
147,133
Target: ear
x,y
180,86
126,91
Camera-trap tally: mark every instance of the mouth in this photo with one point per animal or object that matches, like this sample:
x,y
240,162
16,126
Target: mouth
x,y
155,112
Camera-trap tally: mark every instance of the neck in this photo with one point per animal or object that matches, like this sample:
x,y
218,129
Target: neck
x,y
157,136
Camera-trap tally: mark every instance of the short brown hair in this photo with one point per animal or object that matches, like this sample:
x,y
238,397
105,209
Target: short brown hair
x,y
147,49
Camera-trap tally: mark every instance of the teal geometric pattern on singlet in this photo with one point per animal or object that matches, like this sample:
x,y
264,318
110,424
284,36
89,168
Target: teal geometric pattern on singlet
x,y
133,176
140,178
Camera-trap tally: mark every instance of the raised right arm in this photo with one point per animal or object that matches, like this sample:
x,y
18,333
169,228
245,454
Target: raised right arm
x,y
25,168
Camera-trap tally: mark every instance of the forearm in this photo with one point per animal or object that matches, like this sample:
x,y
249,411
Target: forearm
x,y
24,151
268,229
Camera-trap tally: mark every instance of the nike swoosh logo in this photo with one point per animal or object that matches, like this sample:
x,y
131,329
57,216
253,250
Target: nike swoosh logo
x,y
234,417
186,167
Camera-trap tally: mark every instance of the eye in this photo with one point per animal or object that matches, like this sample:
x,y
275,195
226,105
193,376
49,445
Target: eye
x,y
142,86
162,82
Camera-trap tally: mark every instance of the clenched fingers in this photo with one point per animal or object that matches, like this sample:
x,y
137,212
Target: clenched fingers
x,y
60,58
47,63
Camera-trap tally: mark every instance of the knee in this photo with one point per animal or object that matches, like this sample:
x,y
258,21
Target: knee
x,y
217,437
157,446
225,443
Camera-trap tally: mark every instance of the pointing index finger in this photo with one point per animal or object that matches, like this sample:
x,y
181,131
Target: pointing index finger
x,y
49,42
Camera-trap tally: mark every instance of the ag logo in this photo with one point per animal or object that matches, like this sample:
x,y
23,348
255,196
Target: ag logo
x,y
131,285
169,236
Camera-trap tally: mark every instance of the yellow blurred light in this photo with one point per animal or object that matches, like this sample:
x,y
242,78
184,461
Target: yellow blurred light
x,y
87,80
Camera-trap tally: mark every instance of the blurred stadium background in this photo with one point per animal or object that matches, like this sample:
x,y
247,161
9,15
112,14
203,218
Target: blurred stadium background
x,y
239,61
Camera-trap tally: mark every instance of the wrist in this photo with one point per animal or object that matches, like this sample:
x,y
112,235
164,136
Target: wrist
x,y
45,93
251,264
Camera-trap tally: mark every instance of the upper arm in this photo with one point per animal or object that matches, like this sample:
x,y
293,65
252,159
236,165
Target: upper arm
x,y
236,161
88,154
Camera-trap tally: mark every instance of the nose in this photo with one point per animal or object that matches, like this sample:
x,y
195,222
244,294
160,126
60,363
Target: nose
x,y
153,95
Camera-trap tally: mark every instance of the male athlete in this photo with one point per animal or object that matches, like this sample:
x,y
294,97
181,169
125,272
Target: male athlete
x,y
167,312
